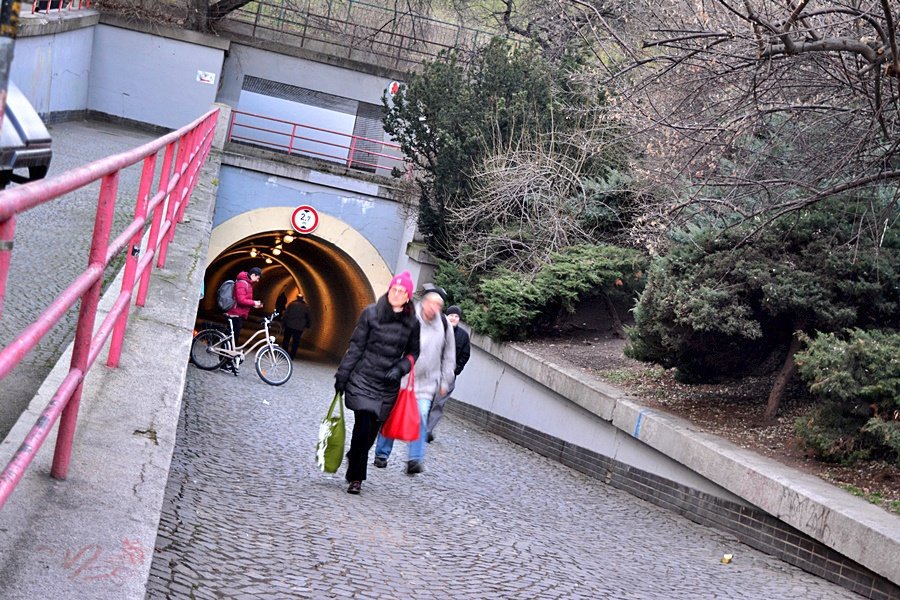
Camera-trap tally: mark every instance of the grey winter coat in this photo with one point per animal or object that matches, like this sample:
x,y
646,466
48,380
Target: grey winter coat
x,y
437,356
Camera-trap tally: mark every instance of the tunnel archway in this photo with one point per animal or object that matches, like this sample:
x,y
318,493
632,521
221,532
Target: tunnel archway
x,y
337,270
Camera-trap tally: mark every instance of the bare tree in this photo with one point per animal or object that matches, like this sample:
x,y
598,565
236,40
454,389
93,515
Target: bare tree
x,y
757,108
536,193
522,210
748,110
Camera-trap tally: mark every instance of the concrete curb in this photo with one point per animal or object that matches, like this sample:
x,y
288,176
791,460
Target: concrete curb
x,y
851,526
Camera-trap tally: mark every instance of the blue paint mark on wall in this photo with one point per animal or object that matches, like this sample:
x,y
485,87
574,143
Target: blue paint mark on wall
x,y
637,426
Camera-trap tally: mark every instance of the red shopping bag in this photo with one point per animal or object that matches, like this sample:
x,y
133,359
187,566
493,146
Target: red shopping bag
x,y
403,423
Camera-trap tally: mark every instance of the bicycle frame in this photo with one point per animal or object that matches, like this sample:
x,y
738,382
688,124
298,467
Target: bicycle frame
x,y
239,351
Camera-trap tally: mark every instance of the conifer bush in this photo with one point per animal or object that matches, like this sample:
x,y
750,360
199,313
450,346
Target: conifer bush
x,y
506,305
856,374
721,303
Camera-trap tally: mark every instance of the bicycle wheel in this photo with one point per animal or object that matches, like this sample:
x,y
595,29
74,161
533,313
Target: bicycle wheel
x,y
202,352
273,365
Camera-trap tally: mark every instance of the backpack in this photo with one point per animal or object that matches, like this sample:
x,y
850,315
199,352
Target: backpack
x,y
225,295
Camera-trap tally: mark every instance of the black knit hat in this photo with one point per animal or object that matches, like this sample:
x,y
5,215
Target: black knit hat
x,y
430,287
455,310
255,271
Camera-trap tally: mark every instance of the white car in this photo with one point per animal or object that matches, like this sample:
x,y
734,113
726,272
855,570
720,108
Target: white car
x,y
24,140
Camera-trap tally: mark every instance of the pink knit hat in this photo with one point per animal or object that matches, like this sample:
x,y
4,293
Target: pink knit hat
x,y
404,280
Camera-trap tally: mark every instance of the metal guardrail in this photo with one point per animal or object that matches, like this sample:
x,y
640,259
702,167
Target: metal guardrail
x,y
307,140
58,5
358,30
184,152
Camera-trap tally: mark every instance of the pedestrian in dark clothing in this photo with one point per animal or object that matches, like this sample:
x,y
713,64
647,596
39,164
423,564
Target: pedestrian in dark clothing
x,y
370,372
281,303
463,350
296,320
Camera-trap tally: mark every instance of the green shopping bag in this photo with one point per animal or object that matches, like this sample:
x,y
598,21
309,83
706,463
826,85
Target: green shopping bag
x,y
330,449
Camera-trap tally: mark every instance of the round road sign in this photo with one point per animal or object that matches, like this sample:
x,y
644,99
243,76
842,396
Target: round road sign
x,y
305,219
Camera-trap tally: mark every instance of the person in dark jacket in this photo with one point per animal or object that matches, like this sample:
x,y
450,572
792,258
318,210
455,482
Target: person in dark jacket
x,y
370,372
463,350
280,304
296,320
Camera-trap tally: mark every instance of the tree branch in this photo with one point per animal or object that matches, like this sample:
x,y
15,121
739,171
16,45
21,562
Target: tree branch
x,y
889,19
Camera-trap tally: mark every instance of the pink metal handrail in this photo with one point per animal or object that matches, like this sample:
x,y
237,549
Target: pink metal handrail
x,y
352,148
363,30
185,151
59,5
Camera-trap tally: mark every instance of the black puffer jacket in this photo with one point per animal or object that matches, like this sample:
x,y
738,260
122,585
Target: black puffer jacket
x,y
381,340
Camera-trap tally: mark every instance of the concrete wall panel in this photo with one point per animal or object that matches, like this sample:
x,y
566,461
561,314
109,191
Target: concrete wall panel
x,y
494,385
331,79
156,81
53,71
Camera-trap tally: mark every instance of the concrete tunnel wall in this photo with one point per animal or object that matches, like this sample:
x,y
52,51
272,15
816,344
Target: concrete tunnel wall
x,y
338,271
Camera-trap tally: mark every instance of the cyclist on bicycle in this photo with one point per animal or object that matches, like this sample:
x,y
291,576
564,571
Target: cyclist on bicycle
x,y
243,299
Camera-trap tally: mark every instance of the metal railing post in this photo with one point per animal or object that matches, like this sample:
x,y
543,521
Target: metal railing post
x,y
188,178
85,329
174,198
131,259
7,235
203,138
256,20
156,224
231,126
351,152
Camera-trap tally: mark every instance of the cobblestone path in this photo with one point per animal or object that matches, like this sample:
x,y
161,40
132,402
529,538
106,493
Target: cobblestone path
x,y
248,515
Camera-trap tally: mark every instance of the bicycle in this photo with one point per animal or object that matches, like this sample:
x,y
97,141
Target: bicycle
x,y
211,348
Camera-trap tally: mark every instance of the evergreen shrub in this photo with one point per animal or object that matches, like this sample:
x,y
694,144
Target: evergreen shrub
x,y
856,374
722,303
506,305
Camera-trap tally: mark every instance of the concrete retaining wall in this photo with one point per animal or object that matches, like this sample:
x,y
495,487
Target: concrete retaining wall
x,y
52,61
160,81
596,428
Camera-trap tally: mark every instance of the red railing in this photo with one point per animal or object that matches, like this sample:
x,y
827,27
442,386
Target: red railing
x,y
388,36
297,138
58,5
184,152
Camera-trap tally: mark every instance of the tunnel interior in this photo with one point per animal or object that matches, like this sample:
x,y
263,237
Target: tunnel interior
x,y
333,285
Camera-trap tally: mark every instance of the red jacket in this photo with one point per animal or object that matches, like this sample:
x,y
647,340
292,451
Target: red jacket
x,y
243,296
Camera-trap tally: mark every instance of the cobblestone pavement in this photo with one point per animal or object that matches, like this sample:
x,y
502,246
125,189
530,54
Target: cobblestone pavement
x,y
248,515
51,249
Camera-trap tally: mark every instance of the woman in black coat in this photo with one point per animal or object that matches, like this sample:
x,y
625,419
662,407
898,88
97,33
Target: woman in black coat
x,y
370,372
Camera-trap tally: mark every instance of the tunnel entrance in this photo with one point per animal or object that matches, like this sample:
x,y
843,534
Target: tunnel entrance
x,y
335,269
